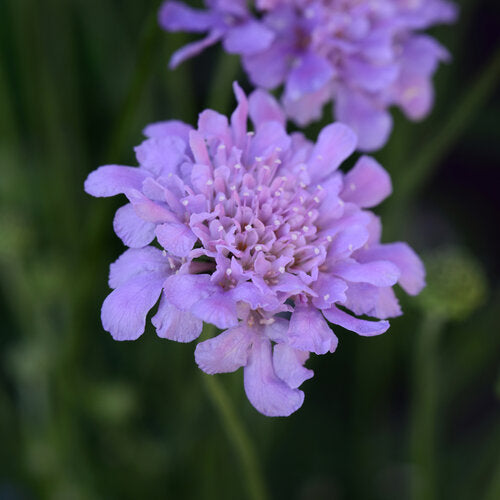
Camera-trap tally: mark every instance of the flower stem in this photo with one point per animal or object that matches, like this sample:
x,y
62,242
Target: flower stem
x,y
238,436
425,393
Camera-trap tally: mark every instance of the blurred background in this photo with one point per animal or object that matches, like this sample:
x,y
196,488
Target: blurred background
x,y
413,413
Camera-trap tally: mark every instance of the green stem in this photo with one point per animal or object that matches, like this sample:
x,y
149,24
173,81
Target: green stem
x,y
238,436
425,394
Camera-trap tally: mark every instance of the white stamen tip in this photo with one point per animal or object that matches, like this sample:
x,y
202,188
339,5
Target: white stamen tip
x,y
277,223
164,253
210,182
295,209
221,146
310,214
326,296
185,202
248,227
294,237
350,248
237,166
329,238
229,272
316,251
222,197
316,199
281,269
250,133
258,158
258,248
320,187
233,188
303,185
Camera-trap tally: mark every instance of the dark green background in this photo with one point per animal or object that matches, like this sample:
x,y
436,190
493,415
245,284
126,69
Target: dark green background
x,y
411,414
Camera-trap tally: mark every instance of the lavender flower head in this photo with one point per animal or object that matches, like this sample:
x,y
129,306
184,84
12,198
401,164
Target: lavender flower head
x,y
258,233
365,55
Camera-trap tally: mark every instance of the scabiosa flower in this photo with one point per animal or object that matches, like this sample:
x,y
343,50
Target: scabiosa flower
x,y
258,233
365,55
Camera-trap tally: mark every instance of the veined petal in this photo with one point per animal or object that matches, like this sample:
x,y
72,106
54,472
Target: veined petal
x,y
169,127
174,324
412,278
184,290
161,155
111,180
131,229
136,261
310,332
176,238
264,108
226,352
268,393
124,310
377,272
289,365
359,326
219,309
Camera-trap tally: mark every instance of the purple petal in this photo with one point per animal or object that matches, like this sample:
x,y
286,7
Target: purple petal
x,y
174,324
124,310
240,116
310,332
368,76
367,183
214,125
148,210
170,127
412,278
248,38
175,16
378,272
267,393
289,365
137,261
329,290
269,136
264,108
309,107
370,120
380,303
111,180
269,68
224,353
184,290
308,76
161,155
176,238
219,309
359,326
131,229
336,142
194,48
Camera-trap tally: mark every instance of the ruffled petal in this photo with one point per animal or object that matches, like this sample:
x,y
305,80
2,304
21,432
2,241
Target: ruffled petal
x,y
226,352
169,127
176,238
136,261
267,393
310,332
131,229
184,290
412,278
289,365
161,155
218,309
124,310
174,324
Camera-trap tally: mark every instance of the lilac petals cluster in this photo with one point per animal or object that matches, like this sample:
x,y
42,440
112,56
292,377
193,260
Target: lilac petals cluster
x,y
364,55
259,233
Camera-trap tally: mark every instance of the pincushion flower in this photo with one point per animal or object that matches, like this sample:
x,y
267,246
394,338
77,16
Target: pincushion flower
x,y
363,55
258,233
